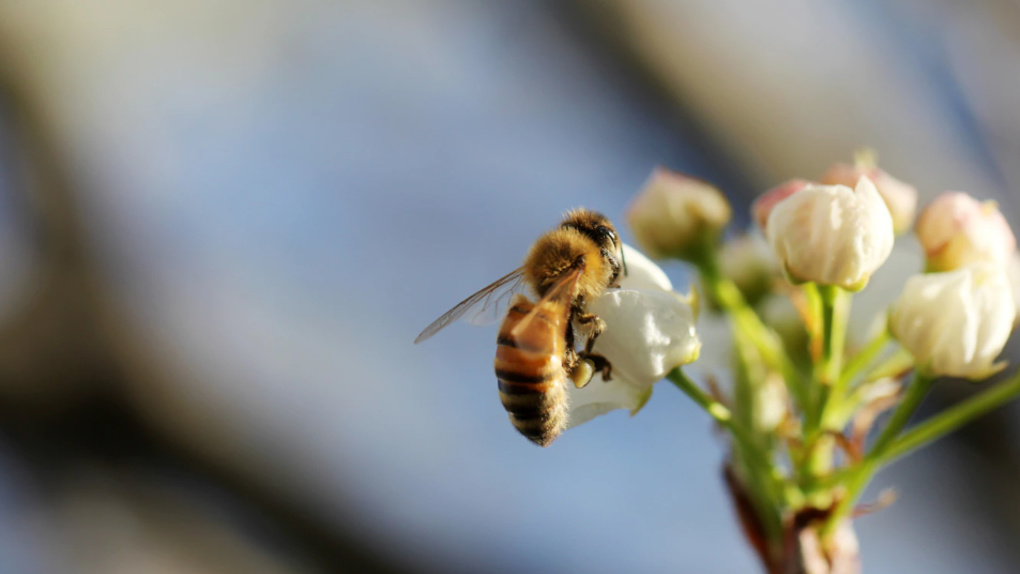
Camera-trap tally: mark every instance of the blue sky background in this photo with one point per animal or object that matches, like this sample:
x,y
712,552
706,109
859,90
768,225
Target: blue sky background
x,y
281,196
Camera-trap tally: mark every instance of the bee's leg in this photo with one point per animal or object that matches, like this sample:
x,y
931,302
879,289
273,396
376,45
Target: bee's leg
x,y
582,372
570,359
598,326
601,364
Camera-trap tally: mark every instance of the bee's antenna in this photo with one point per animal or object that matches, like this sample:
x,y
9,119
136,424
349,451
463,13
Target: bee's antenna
x,y
623,259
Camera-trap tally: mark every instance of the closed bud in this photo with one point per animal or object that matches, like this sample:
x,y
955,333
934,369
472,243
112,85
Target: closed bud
x,y
677,216
956,323
957,230
831,234
899,197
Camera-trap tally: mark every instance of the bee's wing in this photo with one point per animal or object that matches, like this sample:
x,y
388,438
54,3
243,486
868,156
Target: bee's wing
x,y
482,308
561,293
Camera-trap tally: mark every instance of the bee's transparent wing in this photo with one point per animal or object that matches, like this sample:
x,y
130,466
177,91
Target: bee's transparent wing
x,y
484,307
562,293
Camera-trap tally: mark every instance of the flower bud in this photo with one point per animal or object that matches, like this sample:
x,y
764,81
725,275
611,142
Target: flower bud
x,y
831,234
956,323
762,207
676,216
899,197
957,230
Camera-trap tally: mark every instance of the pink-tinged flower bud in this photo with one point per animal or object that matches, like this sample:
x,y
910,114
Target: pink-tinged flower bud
x,y
762,207
956,323
956,230
831,234
676,216
899,197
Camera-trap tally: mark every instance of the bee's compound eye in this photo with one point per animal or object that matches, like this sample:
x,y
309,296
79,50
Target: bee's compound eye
x,y
606,233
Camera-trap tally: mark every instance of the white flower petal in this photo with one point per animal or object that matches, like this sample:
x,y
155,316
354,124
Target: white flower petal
x,y
957,322
601,397
642,272
648,333
1013,271
900,197
832,235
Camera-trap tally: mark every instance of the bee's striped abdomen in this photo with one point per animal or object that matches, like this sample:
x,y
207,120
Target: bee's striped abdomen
x,y
529,368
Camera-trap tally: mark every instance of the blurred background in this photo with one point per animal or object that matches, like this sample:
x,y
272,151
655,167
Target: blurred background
x,y
222,223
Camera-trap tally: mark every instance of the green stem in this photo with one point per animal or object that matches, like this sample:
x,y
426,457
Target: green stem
x,y
915,394
718,411
852,395
952,418
837,301
728,296
899,363
818,326
835,313
864,358
760,467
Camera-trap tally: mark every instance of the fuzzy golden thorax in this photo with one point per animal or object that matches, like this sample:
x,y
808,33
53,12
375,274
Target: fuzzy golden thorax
x,y
585,239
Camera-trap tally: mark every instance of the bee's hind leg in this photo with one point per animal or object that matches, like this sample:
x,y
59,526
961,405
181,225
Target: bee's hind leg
x,y
597,326
578,371
585,366
600,363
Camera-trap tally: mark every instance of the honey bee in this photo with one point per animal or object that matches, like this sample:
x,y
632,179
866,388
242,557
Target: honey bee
x,y
566,268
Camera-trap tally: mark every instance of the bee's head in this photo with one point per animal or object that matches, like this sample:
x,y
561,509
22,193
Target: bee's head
x,y
599,229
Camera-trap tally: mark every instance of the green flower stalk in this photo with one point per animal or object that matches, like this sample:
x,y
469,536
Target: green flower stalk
x,y
796,478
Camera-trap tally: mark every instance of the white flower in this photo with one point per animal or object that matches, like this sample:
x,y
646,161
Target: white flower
x,y
675,215
899,197
956,230
956,323
1013,272
643,273
831,234
649,331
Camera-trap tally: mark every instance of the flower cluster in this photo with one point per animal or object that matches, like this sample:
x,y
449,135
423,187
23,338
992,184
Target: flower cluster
x,y
797,398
